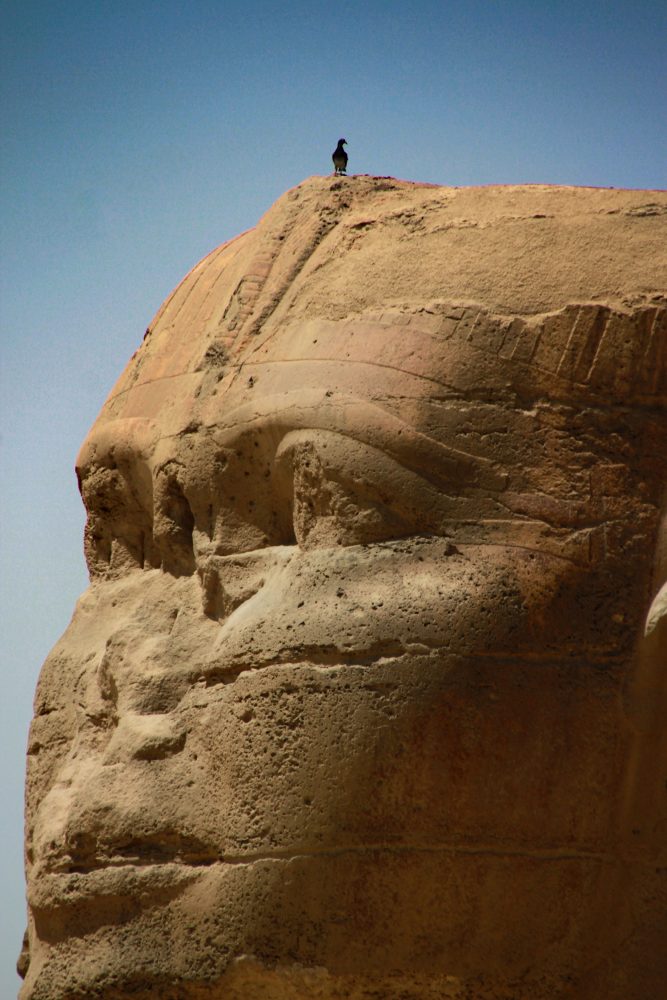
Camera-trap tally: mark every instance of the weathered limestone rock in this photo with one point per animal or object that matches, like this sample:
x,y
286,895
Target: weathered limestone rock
x,y
365,699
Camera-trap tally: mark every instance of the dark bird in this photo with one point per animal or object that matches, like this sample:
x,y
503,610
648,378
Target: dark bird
x,y
339,157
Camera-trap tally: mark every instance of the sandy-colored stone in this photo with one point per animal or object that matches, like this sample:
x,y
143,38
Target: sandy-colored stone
x,y
366,698
658,610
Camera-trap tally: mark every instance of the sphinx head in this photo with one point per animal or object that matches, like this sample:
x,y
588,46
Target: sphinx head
x,y
359,690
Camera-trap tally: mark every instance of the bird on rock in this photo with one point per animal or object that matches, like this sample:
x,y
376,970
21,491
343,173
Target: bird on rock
x,y
339,157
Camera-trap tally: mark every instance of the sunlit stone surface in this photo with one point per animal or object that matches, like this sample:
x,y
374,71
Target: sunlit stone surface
x,y
367,695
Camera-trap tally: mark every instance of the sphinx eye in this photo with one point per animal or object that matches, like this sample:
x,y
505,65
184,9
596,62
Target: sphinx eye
x,y
340,491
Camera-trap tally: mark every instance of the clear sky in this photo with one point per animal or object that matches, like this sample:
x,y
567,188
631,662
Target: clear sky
x,y
139,135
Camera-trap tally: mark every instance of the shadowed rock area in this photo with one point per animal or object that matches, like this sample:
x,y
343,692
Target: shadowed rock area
x,y
367,698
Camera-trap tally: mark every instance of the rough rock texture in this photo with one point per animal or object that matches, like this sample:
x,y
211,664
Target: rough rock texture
x,y
360,702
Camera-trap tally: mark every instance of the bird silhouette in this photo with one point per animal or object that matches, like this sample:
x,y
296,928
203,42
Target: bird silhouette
x,y
339,157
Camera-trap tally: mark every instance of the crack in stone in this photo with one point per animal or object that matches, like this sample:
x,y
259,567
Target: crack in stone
x,y
209,860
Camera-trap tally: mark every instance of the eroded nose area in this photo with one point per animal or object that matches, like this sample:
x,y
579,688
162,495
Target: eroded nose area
x,y
149,660
145,737
140,673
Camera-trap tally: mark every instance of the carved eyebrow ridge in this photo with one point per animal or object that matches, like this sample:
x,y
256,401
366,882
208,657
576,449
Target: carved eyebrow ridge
x,y
370,424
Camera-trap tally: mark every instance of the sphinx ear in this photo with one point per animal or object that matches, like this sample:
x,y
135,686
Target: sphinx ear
x,y
657,613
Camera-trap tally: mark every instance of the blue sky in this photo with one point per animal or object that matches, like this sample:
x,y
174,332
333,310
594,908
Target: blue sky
x,y
138,136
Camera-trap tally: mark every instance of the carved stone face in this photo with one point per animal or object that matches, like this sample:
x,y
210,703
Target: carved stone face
x,y
349,695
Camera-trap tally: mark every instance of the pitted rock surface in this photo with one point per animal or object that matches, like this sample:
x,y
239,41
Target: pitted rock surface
x,y
366,698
